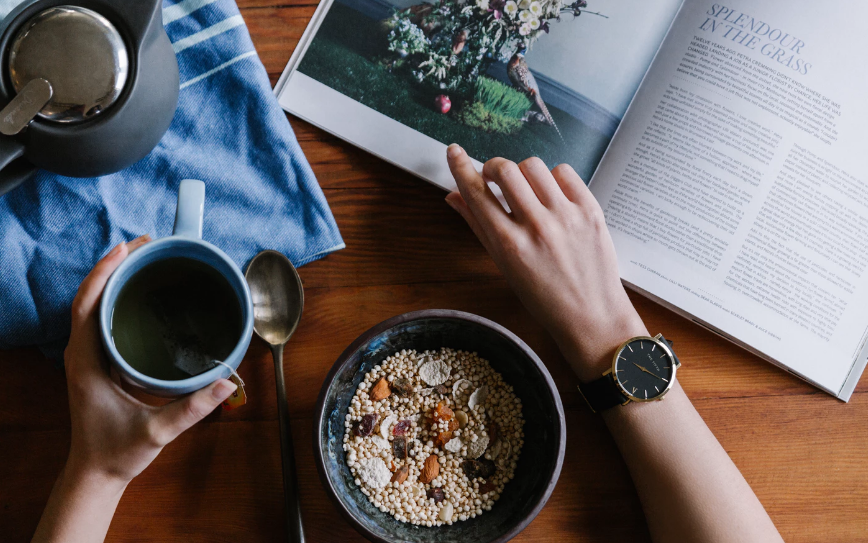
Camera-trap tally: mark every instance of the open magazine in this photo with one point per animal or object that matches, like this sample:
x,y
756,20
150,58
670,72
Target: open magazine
x,y
724,141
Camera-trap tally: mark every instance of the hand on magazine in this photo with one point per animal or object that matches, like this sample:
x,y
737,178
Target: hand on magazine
x,y
555,251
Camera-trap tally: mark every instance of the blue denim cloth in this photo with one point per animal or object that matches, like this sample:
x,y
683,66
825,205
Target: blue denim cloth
x,y
228,131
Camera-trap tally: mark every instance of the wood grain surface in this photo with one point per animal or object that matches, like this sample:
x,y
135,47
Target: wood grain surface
x,y
802,451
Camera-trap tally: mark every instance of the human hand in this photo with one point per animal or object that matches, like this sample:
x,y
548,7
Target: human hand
x,y
114,435
554,250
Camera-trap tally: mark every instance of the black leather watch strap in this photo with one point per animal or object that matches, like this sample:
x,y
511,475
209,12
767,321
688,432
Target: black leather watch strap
x,y
602,394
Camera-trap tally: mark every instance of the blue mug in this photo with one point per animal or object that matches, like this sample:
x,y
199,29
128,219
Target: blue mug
x,y
186,241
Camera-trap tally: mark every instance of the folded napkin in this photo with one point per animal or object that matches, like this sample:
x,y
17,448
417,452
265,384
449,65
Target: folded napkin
x,y
228,131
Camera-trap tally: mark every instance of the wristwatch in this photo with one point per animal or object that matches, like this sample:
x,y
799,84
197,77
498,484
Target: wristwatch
x,y
643,370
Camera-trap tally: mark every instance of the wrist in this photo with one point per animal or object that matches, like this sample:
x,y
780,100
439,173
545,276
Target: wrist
x,y
589,349
83,475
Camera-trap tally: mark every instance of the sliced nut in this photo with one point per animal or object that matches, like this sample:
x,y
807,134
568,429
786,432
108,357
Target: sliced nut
x,y
430,470
381,390
446,512
401,475
478,397
461,417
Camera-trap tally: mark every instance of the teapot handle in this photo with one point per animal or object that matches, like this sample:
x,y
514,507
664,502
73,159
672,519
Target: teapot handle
x,y
13,172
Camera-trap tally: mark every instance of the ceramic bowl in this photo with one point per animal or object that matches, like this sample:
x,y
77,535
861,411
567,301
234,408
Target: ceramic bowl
x,y
539,463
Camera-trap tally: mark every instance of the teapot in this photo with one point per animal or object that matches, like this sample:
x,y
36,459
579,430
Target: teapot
x,y
89,88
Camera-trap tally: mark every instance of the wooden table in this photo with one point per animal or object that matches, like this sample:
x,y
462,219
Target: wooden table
x,y
802,451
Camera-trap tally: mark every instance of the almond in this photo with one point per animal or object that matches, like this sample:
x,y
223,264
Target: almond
x,y
430,470
381,390
401,475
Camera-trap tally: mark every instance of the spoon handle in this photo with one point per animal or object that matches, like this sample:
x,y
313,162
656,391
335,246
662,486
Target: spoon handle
x,y
294,529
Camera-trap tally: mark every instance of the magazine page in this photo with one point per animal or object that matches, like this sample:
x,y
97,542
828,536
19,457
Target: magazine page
x,y
513,78
737,186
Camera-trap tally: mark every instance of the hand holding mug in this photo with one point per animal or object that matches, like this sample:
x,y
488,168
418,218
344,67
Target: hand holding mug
x,y
114,435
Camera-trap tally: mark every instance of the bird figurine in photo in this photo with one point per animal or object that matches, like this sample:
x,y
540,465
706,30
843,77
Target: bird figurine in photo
x,y
523,80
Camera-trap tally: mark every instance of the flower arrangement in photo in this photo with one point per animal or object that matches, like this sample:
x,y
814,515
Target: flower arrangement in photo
x,y
449,44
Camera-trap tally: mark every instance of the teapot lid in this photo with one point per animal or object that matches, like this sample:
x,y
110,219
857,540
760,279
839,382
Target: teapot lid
x,y
80,53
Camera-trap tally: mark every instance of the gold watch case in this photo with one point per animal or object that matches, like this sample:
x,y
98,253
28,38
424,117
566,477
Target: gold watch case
x,y
660,343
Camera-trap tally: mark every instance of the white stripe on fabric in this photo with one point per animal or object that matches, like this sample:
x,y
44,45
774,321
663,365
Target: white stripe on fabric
x,y
208,33
182,9
217,69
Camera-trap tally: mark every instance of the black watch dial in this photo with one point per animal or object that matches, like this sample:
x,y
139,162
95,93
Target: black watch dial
x,y
645,369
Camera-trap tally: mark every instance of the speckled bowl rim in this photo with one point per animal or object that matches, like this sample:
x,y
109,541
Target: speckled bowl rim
x,y
426,314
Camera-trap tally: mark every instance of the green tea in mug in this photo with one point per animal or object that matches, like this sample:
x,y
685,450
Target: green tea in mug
x,y
174,317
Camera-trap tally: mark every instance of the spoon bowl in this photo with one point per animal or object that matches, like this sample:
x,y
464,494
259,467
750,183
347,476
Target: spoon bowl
x,y
278,296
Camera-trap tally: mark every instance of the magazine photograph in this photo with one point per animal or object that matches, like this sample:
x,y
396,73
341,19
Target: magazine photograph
x,y
547,78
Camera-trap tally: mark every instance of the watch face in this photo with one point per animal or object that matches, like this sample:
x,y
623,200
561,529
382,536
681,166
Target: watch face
x,y
644,369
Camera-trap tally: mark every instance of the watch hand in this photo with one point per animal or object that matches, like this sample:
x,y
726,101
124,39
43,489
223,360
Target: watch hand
x,y
648,372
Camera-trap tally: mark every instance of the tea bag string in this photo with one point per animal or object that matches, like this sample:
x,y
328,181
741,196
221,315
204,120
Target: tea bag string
x,y
235,373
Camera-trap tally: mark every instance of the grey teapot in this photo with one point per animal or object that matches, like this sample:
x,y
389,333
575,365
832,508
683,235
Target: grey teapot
x,y
89,88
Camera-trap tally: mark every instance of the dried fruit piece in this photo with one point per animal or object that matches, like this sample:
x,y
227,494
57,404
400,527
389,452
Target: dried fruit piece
x,y
476,448
442,439
478,397
381,390
461,417
401,428
453,445
453,425
436,494
402,387
487,487
442,412
365,427
488,468
434,373
478,468
492,430
386,425
430,470
472,468
446,512
401,475
399,447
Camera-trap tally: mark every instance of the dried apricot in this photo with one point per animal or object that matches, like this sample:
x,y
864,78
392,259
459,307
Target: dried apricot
x,y
442,439
442,412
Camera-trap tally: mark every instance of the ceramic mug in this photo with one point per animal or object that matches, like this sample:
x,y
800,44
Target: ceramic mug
x,y
186,241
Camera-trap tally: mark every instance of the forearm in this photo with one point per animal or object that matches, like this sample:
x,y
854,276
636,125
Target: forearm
x,y
689,487
80,508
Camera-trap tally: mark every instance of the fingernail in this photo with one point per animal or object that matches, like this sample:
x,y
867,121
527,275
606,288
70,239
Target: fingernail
x,y
454,150
146,237
223,389
115,251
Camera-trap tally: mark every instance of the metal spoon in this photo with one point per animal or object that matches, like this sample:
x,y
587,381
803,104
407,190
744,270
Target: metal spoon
x,y
278,300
